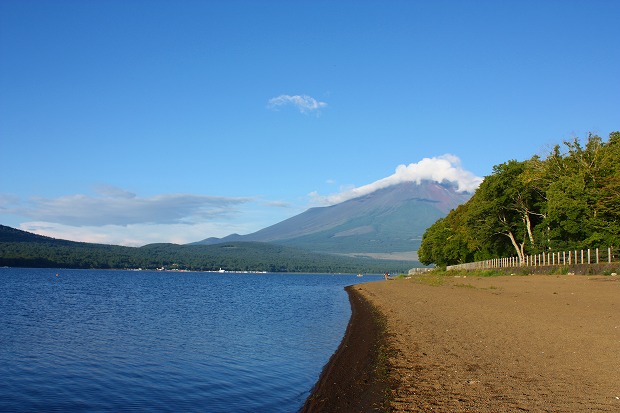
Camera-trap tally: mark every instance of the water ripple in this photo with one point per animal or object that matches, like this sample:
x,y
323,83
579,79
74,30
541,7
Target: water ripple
x,y
134,341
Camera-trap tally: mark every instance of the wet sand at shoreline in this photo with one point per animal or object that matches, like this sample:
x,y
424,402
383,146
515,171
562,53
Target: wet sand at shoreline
x,y
354,380
538,343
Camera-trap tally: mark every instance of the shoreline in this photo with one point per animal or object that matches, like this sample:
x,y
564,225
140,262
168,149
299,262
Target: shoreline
x,y
483,344
508,343
353,380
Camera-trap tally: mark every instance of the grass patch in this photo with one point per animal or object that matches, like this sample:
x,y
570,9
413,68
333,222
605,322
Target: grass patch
x,y
432,279
469,273
464,285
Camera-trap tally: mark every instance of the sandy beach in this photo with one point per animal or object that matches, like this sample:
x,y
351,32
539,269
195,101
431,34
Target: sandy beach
x,y
538,343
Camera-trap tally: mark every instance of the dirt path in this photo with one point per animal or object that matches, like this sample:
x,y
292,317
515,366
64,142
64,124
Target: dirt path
x,y
503,344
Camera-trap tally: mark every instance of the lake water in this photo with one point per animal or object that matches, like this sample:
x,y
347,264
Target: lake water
x,y
163,341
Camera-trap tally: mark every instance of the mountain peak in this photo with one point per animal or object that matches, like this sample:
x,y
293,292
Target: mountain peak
x,y
390,219
442,170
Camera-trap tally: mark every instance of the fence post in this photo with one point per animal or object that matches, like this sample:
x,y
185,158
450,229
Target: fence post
x,y
564,257
597,255
609,254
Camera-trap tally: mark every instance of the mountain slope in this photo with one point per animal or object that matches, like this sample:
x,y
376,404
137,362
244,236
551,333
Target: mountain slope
x,y
388,220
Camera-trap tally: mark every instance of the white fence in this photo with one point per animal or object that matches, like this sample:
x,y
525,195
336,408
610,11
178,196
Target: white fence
x,y
561,258
419,270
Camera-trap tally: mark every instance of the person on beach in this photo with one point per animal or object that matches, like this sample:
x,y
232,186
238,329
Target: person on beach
x,y
386,276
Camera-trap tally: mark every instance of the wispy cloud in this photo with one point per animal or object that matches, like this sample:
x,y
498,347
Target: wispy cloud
x,y
135,235
445,168
112,215
115,206
278,204
305,103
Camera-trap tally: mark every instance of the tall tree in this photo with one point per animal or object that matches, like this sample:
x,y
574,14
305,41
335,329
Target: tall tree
x,y
508,205
569,199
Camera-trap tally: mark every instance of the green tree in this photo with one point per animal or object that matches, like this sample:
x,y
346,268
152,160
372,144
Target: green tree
x,y
571,198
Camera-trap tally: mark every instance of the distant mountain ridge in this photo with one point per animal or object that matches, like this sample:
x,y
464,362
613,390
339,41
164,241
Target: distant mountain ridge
x,y
386,221
23,249
9,234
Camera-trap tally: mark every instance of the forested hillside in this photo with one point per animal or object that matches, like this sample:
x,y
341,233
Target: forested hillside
x,y
23,249
569,199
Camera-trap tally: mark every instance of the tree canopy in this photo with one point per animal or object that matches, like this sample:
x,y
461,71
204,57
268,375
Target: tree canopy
x,y
569,199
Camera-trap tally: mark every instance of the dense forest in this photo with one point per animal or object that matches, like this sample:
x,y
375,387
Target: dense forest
x,y
569,199
23,249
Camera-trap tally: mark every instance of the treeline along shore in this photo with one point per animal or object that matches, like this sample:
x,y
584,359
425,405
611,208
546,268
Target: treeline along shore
x,y
568,200
23,249
478,344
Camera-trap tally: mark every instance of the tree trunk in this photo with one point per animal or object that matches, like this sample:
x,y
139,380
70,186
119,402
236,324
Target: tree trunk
x,y
528,225
515,244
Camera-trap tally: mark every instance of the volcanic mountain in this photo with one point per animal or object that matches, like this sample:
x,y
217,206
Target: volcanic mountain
x,y
387,223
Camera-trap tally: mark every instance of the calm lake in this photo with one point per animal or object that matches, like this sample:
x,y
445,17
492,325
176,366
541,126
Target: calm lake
x,y
166,341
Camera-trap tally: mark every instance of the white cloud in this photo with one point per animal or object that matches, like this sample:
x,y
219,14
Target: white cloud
x,y
305,103
445,168
114,206
116,216
279,204
136,235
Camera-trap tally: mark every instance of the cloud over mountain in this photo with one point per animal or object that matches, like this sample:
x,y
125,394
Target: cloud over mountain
x,y
116,216
304,103
445,168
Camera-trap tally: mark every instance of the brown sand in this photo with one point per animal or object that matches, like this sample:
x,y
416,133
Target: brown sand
x,y
353,380
536,343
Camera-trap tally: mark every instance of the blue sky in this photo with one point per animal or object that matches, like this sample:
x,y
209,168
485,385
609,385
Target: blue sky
x,y
131,122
